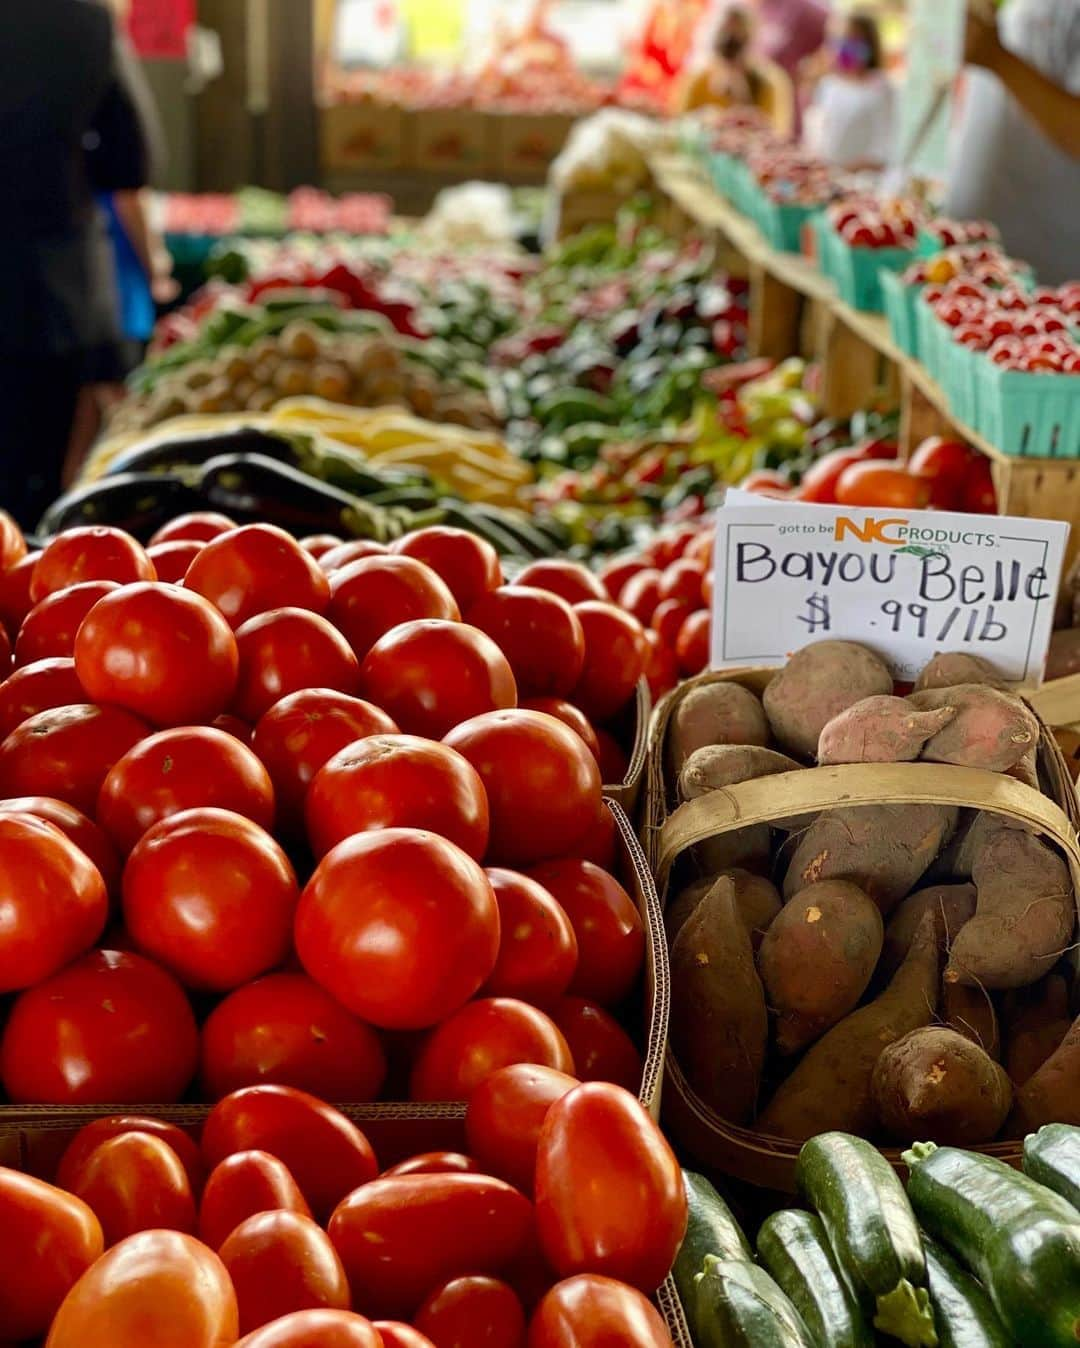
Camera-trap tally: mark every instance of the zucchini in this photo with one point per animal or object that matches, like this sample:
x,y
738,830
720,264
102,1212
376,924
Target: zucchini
x,y
1052,1158
1021,1240
794,1248
963,1312
738,1305
711,1229
872,1231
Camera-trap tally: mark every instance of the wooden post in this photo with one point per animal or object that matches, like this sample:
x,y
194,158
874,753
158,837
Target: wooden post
x,y
775,315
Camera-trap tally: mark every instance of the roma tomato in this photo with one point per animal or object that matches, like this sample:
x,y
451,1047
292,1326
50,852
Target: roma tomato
x,y
400,1237
614,660
12,542
67,752
692,643
318,545
281,1262
284,1028
111,1026
569,580
93,1134
541,782
199,525
569,715
468,564
396,1335
326,1154
186,768
285,650
641,595
590,1311
609,1192
158,651
539,634
135,1182
537,945
355,550
871,483
48,631
505,1114
479,1039
255,568
435,1163
397,781
171,560
316,1329
15,601
93,552
601,1048
157,1287
48,1239
371,596
39,686
465,1312
242,1185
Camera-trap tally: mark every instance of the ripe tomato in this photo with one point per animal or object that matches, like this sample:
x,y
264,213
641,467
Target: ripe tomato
x,y
617,572
15,601
569,715
537,945
397,781
979,496
326,1154
48,1239
93,1134
232,725
541,782
590,1311
598,844
39,686
211,897
505,1114
67,752
944,464
93,552
371,596
255,568
286,650
668,619
469,565
682,580
569,580
614,660
641,595
188,767
602,1049
467,1311
435,1163
171,560
316,1329
871,483
12,542
281,1262
285,1028
48,631
318,545
400,1237
353,551
52,898
610,936
479,1039
692,643
396,1335
135,1182
609,1192
368,931
199,526
242,1185
819,481
158,651
157,1287
6,657
661,667
111,1026
539,634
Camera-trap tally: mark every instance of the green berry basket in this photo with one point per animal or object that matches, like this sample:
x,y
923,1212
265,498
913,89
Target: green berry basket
x,y
962,381
1035,416
721,171
858,272
933,339
781,222
900,298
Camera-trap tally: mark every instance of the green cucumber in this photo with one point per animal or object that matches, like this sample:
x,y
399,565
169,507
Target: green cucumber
x,y
963,1312
872,1231
794,1248
1021,1240
711,1229
1052,1157
739,1306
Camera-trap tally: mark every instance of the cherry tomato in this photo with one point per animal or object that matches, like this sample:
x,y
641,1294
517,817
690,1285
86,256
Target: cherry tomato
x,y
820,479
171,560
602,1049
397,781
371,596
541,781
111,1026
15,601
590,1311
242,1185
255,568
284,1028
468,1311
326,1154
614,660
537,945
661,667
668,619
316,1329
48,1239
400,1237
569,580
396,1335
871,483
186,768
48,631
199,526
468,564
92,552
505,1114
135,1182
281,1262
12,542
353,551
39,686
569,715
286,650
692,643
158,651
617,572
641,595
979,496
368,931
539,634
93,1134
435,1163
67,752
318,545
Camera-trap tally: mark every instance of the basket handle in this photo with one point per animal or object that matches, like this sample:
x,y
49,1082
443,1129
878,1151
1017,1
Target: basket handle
x,y
1057,702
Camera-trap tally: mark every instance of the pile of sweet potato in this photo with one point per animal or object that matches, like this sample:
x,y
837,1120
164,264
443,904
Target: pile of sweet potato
x,y
897,971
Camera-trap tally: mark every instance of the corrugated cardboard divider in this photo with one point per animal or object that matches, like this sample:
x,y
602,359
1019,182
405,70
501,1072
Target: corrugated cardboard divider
x,y
628,791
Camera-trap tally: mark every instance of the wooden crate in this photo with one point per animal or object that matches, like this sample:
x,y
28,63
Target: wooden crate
x,y
368,136
453,141
525,146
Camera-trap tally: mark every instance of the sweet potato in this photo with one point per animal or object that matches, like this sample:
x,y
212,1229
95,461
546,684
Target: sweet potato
x,y
718,765
747,848
816,684
817,958
755,897
713,713
991,729
1063,658
880,730
1036,1021
719,1025
1052,1095
1069,743
970,1012
936,1083
954,903
830,1088
949,668
884,849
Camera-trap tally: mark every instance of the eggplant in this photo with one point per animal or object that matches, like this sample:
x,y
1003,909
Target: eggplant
x,y
193,450
138,502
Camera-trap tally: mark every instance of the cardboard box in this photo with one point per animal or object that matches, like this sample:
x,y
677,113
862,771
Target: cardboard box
x,y
453,140
526,145
362,136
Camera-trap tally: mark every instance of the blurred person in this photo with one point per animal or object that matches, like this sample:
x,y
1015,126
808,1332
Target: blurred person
x,y
791,30
735,76
851,120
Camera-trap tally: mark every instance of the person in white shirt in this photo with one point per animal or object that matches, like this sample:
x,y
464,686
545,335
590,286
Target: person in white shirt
x,y
851,120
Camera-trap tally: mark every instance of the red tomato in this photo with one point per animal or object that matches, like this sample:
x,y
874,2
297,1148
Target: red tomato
x,y
67,752
667,621
171,560
281,1262
505,1114
871,483
6,657
692,643
541,782
286,650
599,843
93,1134
569,715
301,733
765,477
52,899
602,1049
465,1312
661,667
396,1335
93,552
641,595
537,945
232,725
189,767
12,542
15,601
158,1287
48,1239
316,1329
353,551
285,1028
400,1237
682,580
435,1163
820,479
135,1182
479,1039
327,1155
199,526
945,464
48,630
538,633
609,1192
255,568
397,781
83,832
158,651
242,1185
569,580
318,545
610,936
468,564
614,660
368,931
617,572
371,596
431,675
979,496
594,1312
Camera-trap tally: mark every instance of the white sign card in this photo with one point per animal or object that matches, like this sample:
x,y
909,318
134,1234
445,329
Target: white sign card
x,y
905,583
